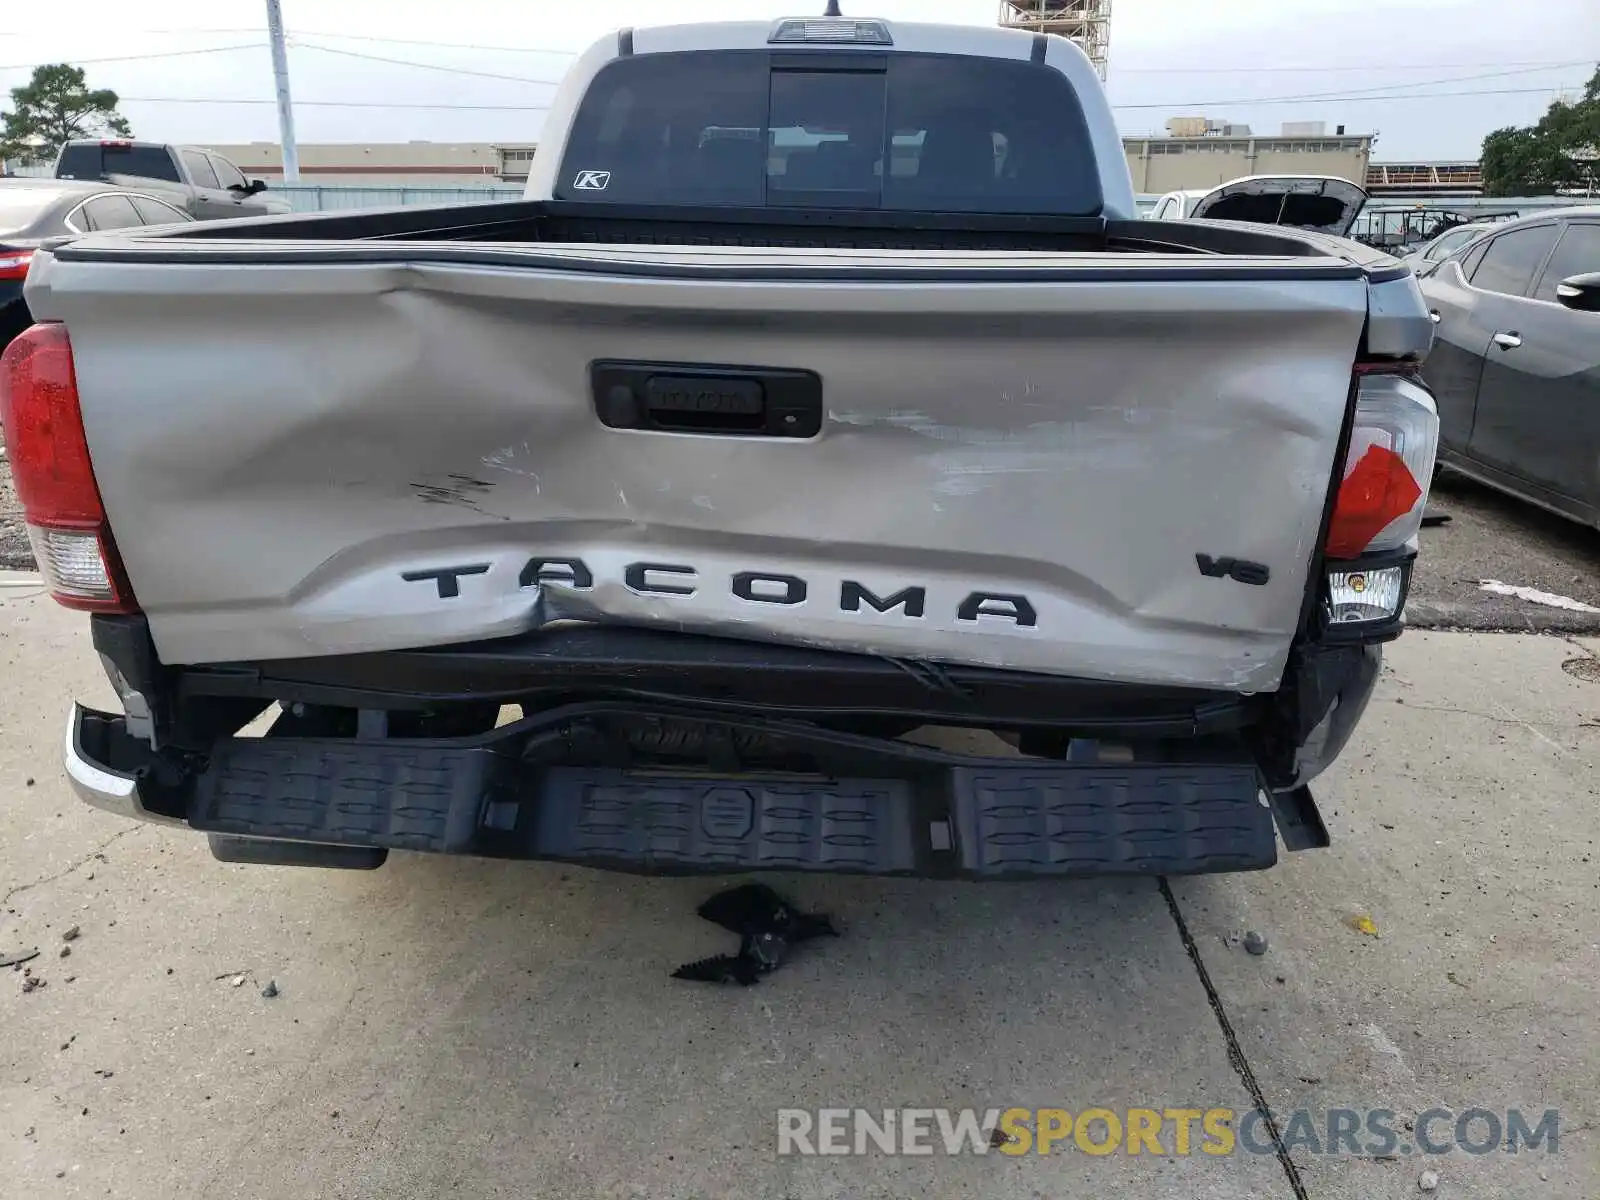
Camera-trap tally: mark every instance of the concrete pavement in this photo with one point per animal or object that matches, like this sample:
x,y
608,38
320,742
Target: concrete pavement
x,y
488,1029
1492,536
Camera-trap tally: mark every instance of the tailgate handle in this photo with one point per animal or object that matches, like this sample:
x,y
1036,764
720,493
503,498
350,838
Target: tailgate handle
x,y
713,401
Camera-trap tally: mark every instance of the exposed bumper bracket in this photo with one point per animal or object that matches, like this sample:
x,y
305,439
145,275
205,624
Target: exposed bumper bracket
x,y
105,764
1299,821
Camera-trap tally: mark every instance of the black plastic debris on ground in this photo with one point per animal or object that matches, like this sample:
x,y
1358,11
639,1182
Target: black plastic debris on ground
x,y
768,927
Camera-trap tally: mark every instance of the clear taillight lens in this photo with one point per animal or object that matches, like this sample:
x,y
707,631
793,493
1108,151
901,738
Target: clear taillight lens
x,y
1365,595
53,474
1384,487
73,564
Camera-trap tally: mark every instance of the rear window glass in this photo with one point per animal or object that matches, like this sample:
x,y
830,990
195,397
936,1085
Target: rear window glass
x,y
157,212
899,131
1513,257
110,212
97,162
1577,253
228,175
1315,212
200,169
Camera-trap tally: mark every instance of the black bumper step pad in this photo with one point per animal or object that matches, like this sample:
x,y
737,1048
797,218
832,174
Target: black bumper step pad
x,y
1148,820
990,820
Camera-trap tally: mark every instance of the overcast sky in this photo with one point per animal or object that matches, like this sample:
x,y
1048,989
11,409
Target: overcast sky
x,y
1366,64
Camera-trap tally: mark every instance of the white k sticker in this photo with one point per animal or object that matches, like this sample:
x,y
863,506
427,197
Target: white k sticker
x,y
591,181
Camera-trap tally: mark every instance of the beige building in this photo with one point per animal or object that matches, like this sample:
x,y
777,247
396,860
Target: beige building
x,y
1158,164
1197,153
387,163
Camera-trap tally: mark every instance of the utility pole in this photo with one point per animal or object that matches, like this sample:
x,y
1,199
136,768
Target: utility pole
x,y
280,76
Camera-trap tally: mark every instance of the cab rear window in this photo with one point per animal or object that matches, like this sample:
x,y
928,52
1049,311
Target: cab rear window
x,y
929,133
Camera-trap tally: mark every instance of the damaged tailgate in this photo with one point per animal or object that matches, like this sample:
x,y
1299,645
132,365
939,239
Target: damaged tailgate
x,y
1101,465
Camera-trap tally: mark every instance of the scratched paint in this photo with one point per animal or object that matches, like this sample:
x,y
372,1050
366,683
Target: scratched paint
x,y
458,491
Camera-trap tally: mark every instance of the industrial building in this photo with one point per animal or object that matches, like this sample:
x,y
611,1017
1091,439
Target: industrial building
x,y
386,163
1200,152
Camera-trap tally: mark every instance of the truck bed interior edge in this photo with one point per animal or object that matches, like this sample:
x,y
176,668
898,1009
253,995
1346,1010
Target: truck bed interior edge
x,y
524,223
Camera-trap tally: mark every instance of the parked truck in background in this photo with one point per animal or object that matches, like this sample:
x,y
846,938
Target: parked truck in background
x,y
824,389
202,182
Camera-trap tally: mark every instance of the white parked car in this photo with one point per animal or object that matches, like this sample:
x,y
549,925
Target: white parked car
x,y
1446,244
1324,203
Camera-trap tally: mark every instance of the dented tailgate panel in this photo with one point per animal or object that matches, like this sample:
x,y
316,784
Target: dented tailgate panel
x,y
1118,478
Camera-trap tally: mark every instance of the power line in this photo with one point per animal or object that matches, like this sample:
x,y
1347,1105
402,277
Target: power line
x,y
338,104
360,37
1311,70
366,37
1528,67
1302,69
1366,99
407,62
78,62
1359,92
545,107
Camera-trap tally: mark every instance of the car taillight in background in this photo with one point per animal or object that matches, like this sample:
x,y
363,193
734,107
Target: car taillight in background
x,y
53,475
14,263
1382,493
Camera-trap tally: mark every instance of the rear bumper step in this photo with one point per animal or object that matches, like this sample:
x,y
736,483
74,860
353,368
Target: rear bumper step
x,y
993,819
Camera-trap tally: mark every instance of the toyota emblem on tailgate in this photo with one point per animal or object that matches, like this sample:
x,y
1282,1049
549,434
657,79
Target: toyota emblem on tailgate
x,y
591,181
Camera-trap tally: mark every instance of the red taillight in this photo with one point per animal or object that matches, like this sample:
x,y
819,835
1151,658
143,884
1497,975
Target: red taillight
x,y
1389,466
53,475
14,263
1378,491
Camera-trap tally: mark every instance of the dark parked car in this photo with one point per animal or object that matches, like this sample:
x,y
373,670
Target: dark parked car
x,y
1515,369
32,210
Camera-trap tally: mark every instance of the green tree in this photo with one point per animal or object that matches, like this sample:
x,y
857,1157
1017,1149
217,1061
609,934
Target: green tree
x,y
51,109
1561,151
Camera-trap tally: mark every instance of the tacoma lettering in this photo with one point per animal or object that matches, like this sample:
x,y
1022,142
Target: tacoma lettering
x,y
770,587
853,595
570,571
639,578
995,604
447,578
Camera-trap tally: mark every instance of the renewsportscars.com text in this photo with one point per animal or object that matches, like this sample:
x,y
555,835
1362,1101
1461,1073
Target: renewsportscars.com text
x,y
1217,1132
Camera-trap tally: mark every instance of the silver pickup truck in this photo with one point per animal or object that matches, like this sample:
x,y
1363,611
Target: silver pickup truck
x,y
824,392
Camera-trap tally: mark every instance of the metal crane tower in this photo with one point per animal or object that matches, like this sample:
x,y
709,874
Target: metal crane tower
x,y
1087,22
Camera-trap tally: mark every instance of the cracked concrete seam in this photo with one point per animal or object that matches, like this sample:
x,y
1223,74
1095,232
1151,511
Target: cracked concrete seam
x,y
1571,639
1472,712
77,865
